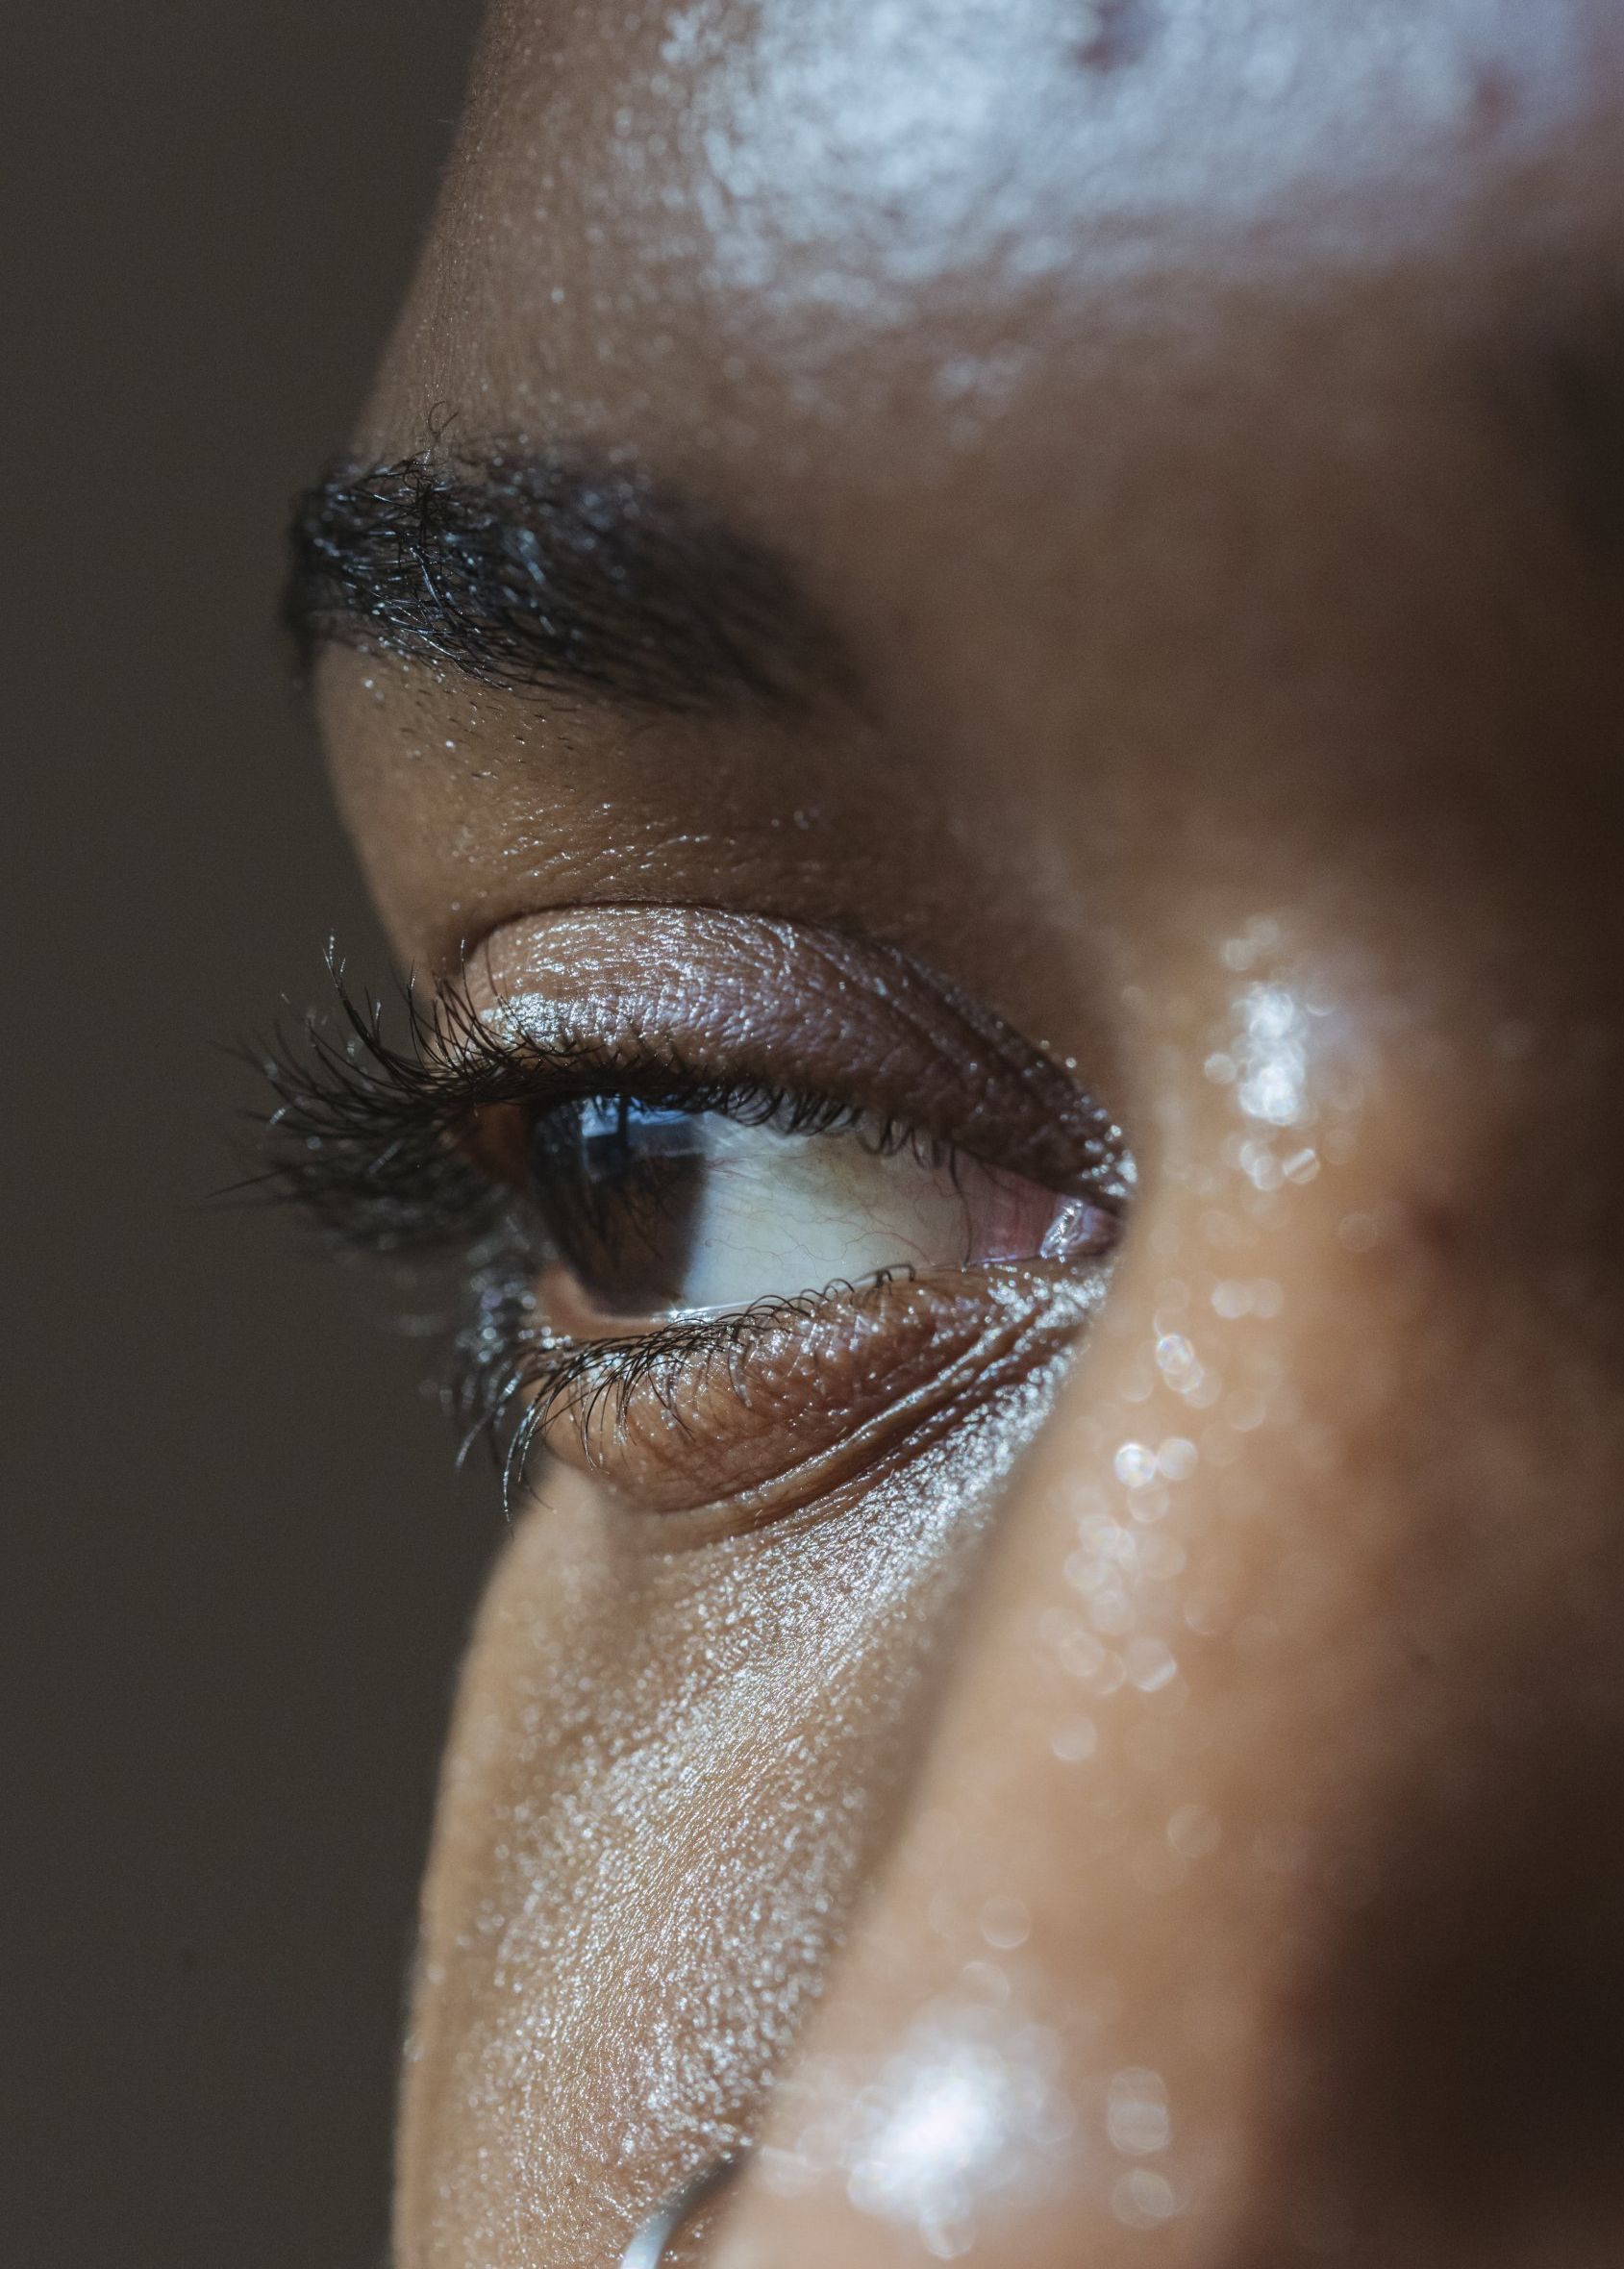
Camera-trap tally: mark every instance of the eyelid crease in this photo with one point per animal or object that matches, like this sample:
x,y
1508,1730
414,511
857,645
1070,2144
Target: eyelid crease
x,y
858,1018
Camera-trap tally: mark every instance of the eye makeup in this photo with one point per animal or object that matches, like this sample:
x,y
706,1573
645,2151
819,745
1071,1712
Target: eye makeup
x,y
739,1203
842,1023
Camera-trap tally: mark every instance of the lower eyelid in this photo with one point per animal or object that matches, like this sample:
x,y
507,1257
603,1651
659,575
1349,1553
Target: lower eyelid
x,y
765,1411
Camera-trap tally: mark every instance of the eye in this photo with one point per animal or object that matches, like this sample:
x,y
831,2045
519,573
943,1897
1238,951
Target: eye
x,y
737,1315
654,1212
743,1209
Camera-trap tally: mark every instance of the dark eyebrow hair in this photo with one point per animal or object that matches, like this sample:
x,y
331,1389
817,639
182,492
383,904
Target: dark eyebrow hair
x,y
555,574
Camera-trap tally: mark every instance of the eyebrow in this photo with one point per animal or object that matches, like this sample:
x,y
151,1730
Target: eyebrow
x,y
558,575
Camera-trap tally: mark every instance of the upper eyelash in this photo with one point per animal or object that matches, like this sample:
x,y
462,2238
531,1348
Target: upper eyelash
x,y
362,1139
363,1132
359,1132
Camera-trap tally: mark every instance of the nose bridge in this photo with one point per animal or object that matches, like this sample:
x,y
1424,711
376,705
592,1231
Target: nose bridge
x,y
1239,1786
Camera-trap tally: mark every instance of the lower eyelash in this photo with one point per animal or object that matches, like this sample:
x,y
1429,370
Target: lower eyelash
x,y
511,1380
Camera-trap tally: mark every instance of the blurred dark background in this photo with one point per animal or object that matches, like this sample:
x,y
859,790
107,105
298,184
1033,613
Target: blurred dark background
x,y
236,1569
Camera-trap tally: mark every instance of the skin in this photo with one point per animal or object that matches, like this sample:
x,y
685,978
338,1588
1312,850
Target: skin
x,y
1189,417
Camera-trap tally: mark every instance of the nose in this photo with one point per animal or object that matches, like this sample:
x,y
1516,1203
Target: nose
x,y
1258,1900
653,2241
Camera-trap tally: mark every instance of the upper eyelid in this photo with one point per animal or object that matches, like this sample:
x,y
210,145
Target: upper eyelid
x,y
369,1117
365,1116
858,1018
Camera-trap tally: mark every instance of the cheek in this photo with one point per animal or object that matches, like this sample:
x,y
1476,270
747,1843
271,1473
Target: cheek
x,y
667,1775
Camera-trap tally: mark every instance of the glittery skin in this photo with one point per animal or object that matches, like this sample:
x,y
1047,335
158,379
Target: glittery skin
x,y
715,1741
1168,1819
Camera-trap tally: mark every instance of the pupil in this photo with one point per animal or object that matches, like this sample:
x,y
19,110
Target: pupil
x,y
618,1185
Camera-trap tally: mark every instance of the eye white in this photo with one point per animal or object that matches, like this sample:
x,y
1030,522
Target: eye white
x,y
779,1214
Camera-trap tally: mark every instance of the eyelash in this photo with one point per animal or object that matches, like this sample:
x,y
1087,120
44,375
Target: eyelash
x,y
369,1138
364,1134
510,1381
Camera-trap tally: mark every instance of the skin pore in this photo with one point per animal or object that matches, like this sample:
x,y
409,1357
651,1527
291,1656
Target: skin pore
x,y
1103,1751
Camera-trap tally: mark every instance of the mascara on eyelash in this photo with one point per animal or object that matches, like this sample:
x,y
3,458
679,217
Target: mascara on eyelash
x,y
364,1133
370,1137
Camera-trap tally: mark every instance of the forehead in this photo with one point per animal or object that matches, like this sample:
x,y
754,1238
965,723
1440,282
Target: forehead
x,y
683,220
1185,383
